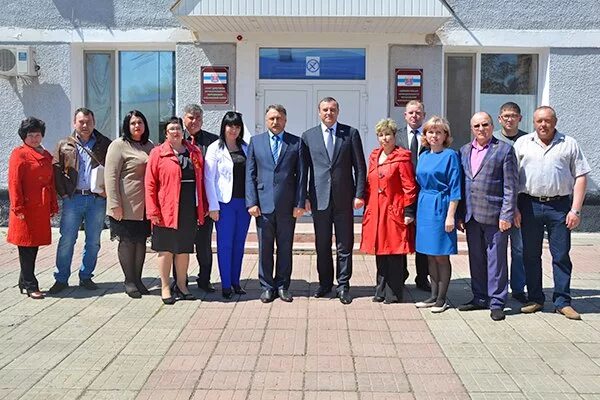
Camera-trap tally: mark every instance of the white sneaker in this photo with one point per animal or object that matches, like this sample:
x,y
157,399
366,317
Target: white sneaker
x,y
424,304
440,309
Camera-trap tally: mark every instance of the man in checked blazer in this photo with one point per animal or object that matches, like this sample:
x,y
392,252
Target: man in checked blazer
x,y
333,154
488,207
275,196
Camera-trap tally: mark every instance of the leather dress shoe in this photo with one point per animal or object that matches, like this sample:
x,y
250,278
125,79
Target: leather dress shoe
x,y
344,296
569,312
285,295
322,292
378,299
267,296
238,289
531,308
471,306
497,314
227,293
88,284
520,297
423,285
206,286
58,287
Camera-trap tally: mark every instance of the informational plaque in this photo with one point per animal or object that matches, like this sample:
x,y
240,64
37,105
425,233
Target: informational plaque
x,y
214,88
409,86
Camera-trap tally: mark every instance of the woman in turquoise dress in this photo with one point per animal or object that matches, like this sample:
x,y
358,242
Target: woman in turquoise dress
x,y
439,177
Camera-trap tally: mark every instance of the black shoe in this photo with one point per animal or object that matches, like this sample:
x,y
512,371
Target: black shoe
x,y
238,289
142,288
88,284
322,292
58,287
497,314
344,296
169,300
267,296
179,295
285,295
423,285
471,306
227,294
520,297
206,286
378,299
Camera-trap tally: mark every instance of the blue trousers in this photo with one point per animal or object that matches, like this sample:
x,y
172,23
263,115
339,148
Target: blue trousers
x,y
232,228
487,262
89,210
517,269
535,217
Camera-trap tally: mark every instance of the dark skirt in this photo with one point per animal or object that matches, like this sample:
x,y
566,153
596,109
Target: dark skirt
x,y
180,240
130,230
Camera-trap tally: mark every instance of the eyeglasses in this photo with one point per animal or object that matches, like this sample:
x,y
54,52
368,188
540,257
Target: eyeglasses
x,y
484,125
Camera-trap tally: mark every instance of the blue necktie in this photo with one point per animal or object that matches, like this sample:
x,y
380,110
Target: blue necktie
x,y
275,148
329,143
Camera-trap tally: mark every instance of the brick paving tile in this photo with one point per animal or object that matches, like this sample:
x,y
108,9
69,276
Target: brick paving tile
x,y
242,335
525,366
277,381
184,362
287,323
328,363
219,394
199,335
280,363
247,323
427,366
329,381
556,396
368,325
327,323
442,396
498,396
466,350
382,382
220,362
232,380
412,337
436,384
574,366
164,394
542,384
172,379
478,382
284,342
425,350
388,395
584,383
53,394
327,343
274,395
590,349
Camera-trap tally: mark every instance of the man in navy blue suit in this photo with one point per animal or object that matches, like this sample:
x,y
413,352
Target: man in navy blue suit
x,y
275,196
334,156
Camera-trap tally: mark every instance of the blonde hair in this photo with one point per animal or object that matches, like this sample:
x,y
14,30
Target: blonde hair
x,y
386,124
436,122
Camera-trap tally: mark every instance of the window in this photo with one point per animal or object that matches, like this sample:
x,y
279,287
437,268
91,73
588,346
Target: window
x,y
509,77
306,63
146,83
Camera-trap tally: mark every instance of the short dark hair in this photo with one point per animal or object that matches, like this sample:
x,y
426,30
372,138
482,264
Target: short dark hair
x,y
328,99
84,111
510,106
277,107
232,118
173,120
31,124
127,132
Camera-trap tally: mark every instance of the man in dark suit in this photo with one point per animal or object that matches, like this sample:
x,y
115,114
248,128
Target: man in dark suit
x,y
333,154
192,121
275,196
410,139
487,209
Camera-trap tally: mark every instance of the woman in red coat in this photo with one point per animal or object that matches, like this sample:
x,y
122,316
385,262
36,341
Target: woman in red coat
x,y
390,196
175,205
32,201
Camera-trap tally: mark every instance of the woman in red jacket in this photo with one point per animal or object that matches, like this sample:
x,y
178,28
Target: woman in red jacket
x,y
175,205
32,201
390,195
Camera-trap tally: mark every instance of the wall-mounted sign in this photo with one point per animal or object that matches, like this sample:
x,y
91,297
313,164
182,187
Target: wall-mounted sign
x,y
313,66
409,86
214,87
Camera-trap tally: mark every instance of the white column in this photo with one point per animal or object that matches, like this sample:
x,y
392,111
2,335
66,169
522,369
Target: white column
x,y
245,84
377,90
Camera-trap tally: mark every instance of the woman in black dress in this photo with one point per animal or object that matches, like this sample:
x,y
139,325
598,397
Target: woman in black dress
x,y
175,204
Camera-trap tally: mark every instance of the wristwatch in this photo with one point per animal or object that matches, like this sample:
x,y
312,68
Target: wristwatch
x,y
576,212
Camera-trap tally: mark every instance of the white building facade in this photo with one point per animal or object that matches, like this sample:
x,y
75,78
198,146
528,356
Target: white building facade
x,y
463,56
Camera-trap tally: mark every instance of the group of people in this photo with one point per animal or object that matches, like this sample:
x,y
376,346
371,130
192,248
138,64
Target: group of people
x,y
415,190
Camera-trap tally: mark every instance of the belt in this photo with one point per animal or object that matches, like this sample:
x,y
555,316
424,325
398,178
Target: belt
x,y
84,192
545,199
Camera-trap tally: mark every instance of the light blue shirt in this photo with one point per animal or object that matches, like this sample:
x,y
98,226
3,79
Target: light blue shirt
x,y
271,135
85,164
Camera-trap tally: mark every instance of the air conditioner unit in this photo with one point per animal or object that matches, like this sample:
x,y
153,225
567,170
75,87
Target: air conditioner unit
x,y
17,61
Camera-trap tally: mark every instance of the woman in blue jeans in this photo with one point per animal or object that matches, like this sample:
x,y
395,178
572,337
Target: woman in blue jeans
x,y
225,183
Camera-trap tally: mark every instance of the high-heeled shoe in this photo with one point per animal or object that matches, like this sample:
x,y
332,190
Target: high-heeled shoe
x,y
238,289
183,296
35,294
168,301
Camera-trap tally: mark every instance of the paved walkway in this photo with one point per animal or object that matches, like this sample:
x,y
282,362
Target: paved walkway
x,y
103,345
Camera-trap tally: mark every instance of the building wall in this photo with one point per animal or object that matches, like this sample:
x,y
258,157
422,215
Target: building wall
x,y
430,59
528,14
103,14
189,59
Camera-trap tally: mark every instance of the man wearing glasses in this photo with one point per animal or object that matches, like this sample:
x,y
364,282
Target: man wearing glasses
x,y
509,119
487,212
